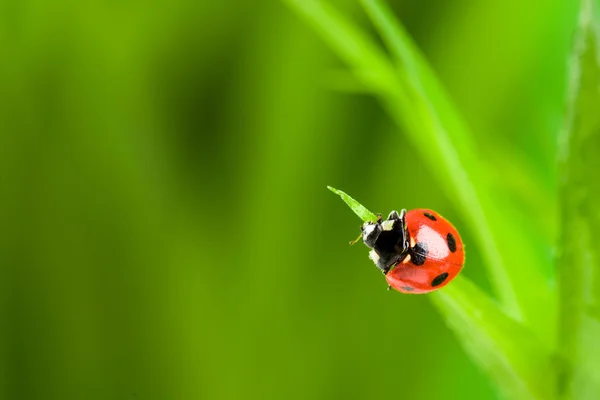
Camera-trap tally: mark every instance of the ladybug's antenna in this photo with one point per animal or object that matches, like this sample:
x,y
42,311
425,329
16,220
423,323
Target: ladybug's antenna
x,y
356,241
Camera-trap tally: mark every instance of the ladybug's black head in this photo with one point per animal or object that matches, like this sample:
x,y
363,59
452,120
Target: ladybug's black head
x,y
371,232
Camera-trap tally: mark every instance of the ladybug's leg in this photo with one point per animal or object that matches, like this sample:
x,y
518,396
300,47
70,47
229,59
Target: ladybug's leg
x,y
393,215
356,240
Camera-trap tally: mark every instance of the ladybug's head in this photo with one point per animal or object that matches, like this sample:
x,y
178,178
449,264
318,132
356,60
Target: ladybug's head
x,y
370,232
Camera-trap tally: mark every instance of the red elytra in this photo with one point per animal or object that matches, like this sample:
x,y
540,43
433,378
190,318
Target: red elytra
x,y
435,255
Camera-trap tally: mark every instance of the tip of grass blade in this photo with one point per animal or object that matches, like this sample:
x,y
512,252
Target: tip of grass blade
x,y
360,210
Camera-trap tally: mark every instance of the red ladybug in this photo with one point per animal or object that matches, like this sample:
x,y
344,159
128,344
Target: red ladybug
x,y
418,251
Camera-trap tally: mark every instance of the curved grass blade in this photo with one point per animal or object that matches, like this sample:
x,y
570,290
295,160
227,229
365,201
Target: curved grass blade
x,y
446,140
412,104
505,349
579,257
518,364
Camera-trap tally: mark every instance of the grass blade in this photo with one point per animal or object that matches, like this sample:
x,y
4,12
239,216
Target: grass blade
x,y
579,258
505,349
413,98
367,61
446,138
358,208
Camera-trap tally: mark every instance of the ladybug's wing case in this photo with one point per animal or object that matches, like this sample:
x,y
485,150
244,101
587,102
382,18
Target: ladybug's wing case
x,y
432,237
435,255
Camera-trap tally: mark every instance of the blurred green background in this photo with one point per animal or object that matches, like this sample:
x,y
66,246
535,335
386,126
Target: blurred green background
x,y
166,228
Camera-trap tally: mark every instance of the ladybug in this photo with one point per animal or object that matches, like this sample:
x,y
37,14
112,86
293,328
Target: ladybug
x,y
419,251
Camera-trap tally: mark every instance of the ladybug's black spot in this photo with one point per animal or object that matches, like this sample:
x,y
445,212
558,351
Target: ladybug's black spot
x,y
431,217
418,254
438,280
451,242
407,288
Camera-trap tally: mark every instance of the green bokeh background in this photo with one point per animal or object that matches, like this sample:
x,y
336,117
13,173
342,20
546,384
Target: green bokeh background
x,y
166,228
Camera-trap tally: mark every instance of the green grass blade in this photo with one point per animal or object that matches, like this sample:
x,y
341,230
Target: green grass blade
x,y
413,98
579,257
446,140
508,352
368,62
512,354
355,206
